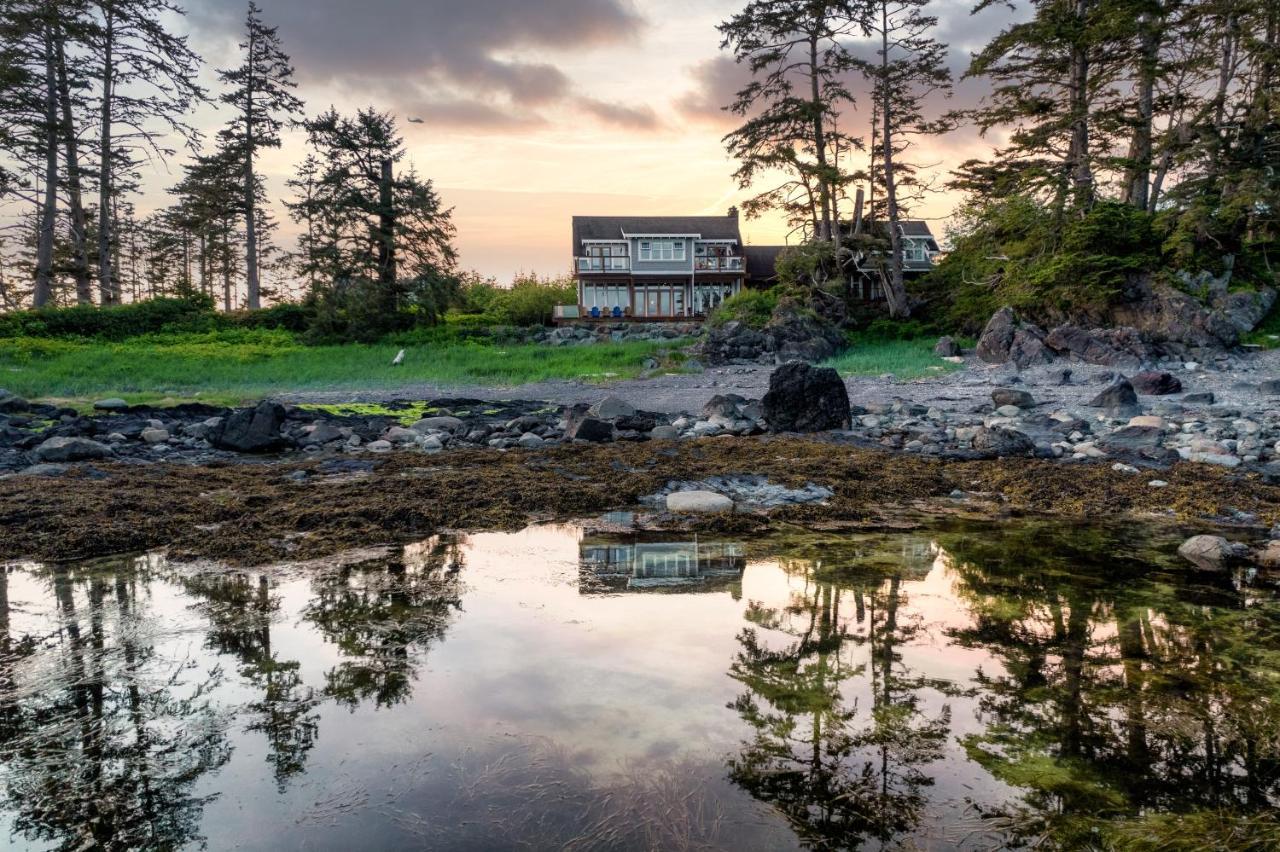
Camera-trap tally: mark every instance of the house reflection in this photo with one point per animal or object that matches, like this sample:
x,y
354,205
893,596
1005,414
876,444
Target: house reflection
x,y
610,565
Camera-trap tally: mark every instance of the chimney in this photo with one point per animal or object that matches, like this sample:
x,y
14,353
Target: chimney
x,y
733,212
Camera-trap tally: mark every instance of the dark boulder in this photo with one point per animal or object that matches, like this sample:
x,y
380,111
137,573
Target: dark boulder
x,y
802,398
1205,398
722,405
65,449
946,347
10,403
1156,383
798,334
1118,397
589,429
1010,396
997,338
1002,441
1028,348
252,430
1144,443
1117,347
1271,387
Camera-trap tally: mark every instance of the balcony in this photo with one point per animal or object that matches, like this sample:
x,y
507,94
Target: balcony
x,y
717,264
603,264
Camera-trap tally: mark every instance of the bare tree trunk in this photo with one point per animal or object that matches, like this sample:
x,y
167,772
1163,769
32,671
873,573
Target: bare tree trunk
x,y
226,272
820,140
896,291
1078,156
43,294
71,148
106,284
386,226
1138,172
250,213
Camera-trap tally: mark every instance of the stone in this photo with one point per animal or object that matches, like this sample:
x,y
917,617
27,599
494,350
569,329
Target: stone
x,y
1200,399
1003,441
997,338
589,429
400,435
803,398
1009,411
155,436
1117,397
71,450
112,404
1271,387
49,470
321,432
431,444
664,433
611,408
1211,552
1156,383
252,430
530,441
1149,421
1010,396
379,446
10,403
452,425
1114,347
1028,348
1157,483
698,501
721,406
1120,467
946,347
1267,556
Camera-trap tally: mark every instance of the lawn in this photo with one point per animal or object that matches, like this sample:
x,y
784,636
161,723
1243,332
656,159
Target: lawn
x,y
231,367
906,359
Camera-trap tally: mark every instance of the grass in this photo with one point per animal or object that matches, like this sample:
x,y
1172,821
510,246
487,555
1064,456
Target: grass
x,y
228,368
905,359
1267,334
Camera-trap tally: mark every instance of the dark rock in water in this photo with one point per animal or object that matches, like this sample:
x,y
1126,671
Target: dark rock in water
x,y
252,430
1156,383
1212,552
1028,348
1117,397
802,398
1271,387
1205,398
997,337
946,347
589,429
64,449
1002,441
1009,396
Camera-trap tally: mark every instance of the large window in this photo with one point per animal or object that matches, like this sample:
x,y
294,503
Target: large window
x,y
662,249
915,251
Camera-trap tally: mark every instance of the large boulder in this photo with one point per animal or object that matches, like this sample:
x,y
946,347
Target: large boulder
x,y
997,338
1116,347
1156,383
803,398
1002,441
252,430
11,402
1117,398
698,501
1165,314
71,450
1012,396
1138,441
587,428
799,335
1028,348
611,408
1212,552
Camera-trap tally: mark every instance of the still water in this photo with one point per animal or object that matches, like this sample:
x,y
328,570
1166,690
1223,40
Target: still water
x,y
957,688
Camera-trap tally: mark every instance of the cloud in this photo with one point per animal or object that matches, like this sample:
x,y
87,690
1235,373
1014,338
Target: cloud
x,y
455,52
715,84
631,118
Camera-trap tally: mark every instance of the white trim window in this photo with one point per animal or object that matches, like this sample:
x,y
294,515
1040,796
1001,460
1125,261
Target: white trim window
x,y
915,251
662,250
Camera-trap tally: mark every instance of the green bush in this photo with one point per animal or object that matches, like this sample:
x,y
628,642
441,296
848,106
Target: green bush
x,y
750,307
116,322
529,301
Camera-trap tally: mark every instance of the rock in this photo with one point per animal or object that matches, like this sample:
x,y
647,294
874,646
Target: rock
x,y
698,501
10,403
452,425
611,408
1116,347
997,338
1146,442
400,435
802,398
252,430
589,429
379,446
1199,399
1002,441
49,470
321,432
664,433
1154,383
1271,387
1120,467
1211,552
530,441
431,444
1117,397
112,404
155,436
1028,348
1149,421
1010,396
1157,483
721,406
946,347
1267,556
1220,459
71,450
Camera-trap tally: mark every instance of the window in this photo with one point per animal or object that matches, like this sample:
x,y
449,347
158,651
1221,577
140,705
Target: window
x,y
913,250
662,250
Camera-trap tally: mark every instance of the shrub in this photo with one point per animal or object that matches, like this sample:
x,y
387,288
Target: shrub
x,y
115,322
750,307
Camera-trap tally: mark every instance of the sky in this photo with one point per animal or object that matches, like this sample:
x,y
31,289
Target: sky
x,y
533,111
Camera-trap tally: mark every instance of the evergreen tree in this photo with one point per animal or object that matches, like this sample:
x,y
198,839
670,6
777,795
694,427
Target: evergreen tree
x,y
261,91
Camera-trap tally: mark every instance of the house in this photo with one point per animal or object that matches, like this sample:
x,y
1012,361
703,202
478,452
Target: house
x,y
638,566
919,250
655,267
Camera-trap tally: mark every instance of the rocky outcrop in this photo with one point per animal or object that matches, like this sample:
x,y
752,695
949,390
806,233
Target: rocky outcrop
x,y
802,398
1116,347
997,338
793,333
1156,383
1163,314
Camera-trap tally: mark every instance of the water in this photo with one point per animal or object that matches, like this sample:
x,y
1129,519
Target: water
x,y
965,687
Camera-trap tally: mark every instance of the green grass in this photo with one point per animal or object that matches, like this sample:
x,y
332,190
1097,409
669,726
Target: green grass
x,y
1267,334
906,359
231,367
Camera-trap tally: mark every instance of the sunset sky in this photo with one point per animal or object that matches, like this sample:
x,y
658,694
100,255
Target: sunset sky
x,y
536,110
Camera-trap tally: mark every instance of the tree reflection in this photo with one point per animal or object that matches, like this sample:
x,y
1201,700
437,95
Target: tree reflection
x,y
840,774
106,737
240,609
381,615
1120,695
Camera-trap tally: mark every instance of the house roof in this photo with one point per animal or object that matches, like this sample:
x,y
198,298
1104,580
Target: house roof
x,y
762,262
910,228
614,227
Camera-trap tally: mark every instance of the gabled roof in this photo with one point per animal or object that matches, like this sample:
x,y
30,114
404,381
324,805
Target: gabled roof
x,y
762,263
614,227
910,228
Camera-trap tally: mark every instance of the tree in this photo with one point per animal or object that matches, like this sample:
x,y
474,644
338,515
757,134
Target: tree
x,y
798,54
147,80
909,67
261,89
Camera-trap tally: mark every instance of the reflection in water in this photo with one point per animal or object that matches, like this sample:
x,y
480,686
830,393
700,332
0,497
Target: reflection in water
x,y
1027,685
